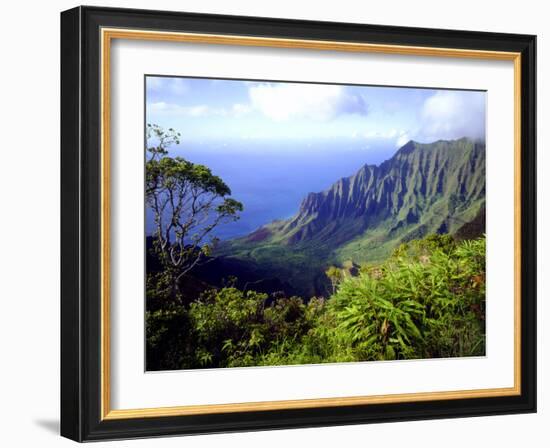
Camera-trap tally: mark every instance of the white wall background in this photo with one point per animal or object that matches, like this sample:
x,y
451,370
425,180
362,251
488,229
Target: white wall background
x,y
29,222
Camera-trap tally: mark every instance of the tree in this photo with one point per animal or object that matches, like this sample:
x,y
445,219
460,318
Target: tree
x,y
187,201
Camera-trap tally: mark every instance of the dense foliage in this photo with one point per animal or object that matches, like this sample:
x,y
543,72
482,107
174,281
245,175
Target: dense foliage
x,y
425,301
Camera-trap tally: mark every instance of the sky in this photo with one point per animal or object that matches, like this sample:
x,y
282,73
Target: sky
x,y
208,110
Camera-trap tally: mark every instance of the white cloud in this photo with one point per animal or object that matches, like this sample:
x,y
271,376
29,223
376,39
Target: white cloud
x,y
239,109
402,140
200,110
399,136
277,101
445,115
314,101
453,114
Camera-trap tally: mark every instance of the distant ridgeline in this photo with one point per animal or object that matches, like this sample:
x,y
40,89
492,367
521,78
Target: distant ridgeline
x,y
422,189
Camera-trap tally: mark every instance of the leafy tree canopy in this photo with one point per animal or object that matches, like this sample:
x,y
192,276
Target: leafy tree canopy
x,y
187,201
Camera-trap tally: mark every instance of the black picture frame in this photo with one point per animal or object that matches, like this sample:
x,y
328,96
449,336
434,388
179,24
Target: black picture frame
x,y
81,416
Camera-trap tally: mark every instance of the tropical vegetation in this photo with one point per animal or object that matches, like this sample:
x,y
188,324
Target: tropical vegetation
x,y
425,301
406,283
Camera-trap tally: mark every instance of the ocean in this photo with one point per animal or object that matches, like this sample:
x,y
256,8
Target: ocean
x,y
271,178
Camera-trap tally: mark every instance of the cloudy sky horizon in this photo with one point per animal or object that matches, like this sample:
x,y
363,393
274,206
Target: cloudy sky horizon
x,y
210,110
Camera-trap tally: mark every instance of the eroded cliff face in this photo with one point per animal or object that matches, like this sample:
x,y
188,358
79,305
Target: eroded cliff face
x,y
400,192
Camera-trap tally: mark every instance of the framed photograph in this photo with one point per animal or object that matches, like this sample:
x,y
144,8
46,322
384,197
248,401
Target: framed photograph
x,y
276,224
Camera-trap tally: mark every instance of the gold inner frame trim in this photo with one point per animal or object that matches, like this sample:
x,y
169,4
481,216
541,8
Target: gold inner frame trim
x,y
107,35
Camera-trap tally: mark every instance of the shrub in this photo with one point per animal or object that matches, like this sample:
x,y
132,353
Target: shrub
x,y
426,301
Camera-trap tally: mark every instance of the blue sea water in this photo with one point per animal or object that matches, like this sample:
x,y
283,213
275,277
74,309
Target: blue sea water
x,y
271,178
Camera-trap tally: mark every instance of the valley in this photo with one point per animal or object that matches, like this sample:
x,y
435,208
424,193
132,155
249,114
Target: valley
x,y
423,189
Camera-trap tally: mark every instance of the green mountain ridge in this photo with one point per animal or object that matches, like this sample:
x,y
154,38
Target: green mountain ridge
x,y
424,188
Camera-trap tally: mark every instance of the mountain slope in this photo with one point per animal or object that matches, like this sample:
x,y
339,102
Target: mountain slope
x,y
422,189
